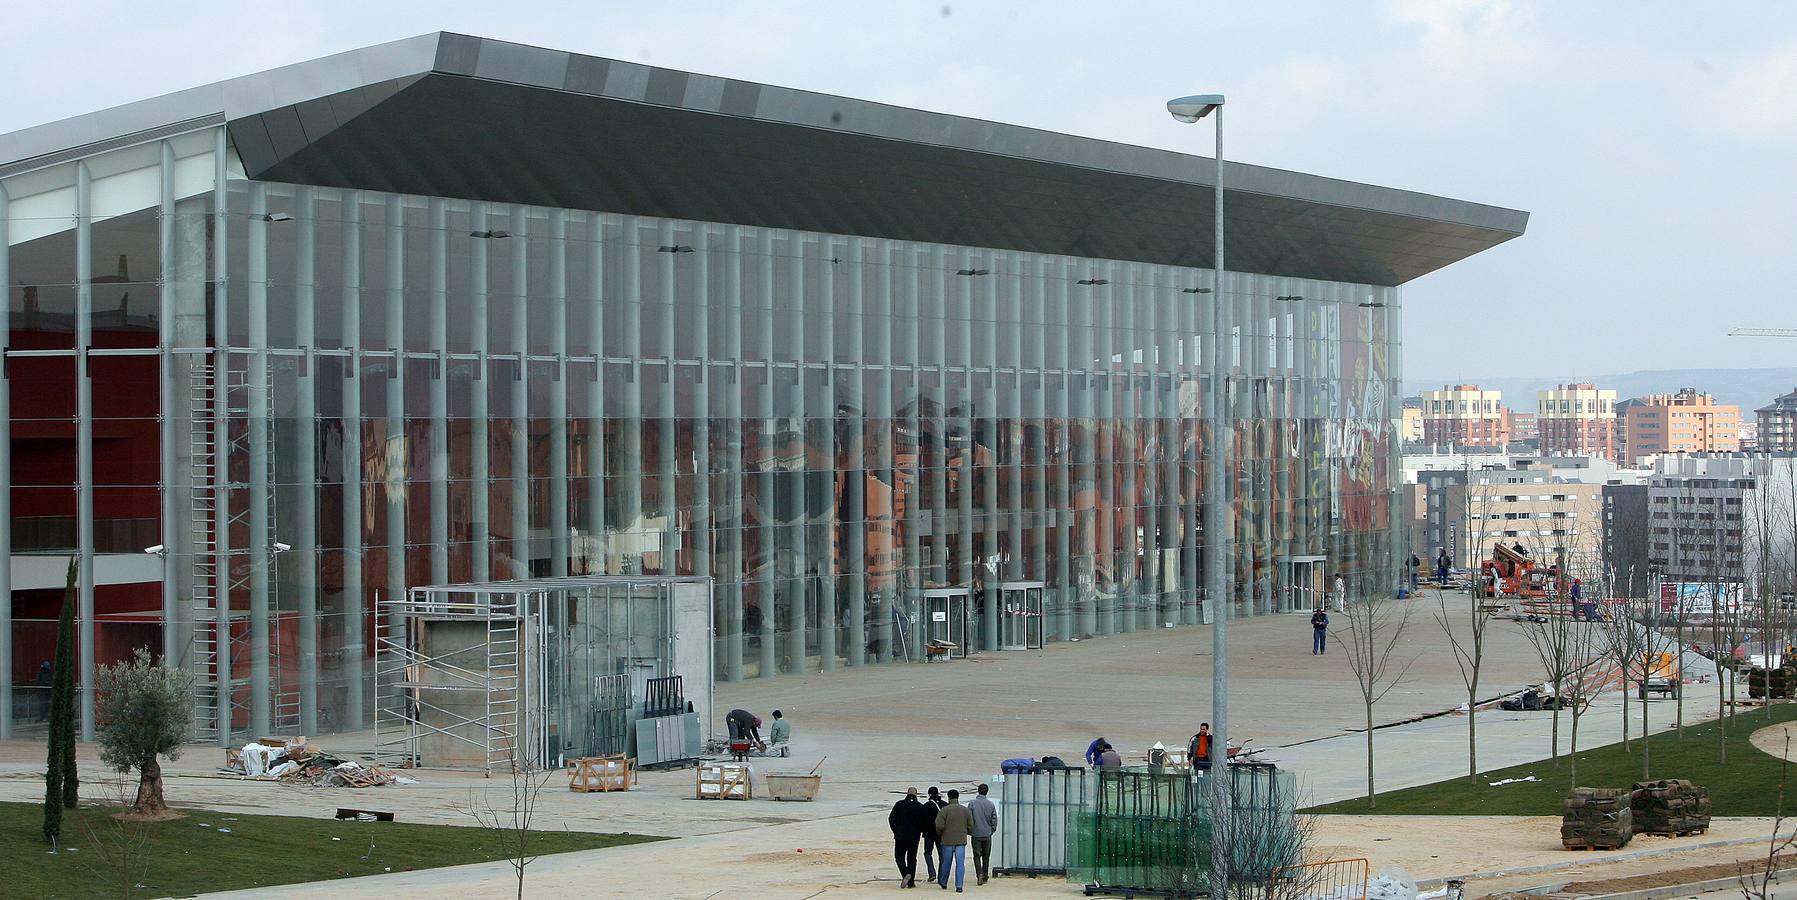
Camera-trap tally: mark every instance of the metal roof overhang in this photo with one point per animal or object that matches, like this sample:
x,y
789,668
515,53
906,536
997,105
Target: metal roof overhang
x,y
456,116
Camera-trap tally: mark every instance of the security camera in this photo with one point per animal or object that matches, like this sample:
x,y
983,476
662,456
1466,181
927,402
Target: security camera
x,y
157,550
282,548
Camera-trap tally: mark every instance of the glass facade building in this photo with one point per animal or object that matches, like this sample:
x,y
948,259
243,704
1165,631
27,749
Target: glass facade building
x,y
452,310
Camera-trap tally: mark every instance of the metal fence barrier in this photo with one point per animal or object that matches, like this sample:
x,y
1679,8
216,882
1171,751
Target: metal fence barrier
x,y
1329,879
1034,809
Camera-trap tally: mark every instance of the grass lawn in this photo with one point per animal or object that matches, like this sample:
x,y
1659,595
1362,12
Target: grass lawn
x,y
1747,786
257,851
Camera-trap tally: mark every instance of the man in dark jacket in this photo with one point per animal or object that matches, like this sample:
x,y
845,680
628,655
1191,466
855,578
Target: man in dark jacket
x,y
744,726
907,822
1319,627
932,848
1198,751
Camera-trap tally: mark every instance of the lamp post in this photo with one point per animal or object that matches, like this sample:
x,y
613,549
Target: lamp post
x,y
1189,110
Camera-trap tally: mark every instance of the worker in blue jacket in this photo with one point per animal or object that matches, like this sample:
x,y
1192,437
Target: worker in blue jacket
x,y
1095,752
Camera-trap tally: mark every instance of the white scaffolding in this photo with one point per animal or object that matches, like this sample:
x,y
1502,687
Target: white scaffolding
x,y
423,693
476,676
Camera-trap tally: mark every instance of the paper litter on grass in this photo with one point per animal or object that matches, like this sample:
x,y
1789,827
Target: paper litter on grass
x,y
1513,781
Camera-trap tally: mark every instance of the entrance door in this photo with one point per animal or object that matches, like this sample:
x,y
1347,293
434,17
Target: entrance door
x,y
948,616
1020,615
1303,583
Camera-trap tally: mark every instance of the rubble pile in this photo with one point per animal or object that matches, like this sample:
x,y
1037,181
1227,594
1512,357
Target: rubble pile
x,y
1596,818
303,763
1673,807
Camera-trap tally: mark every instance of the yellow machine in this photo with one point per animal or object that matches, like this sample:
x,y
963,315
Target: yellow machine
x,y
1660,675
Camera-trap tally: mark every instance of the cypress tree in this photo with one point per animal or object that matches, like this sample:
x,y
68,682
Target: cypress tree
x,y
65,636
60,782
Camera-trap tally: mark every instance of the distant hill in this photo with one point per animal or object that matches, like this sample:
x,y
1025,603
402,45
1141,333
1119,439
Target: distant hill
x,y
1749,389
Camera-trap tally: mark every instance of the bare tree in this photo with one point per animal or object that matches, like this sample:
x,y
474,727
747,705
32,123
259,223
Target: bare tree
x,y
1372,635
1584,651
1563,644
1469,656
1263,844
510,818
145,710
1756,883
1628,642
120,842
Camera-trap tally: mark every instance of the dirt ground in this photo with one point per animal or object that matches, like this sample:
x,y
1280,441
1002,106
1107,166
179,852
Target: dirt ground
x,y
1732,869
1778,740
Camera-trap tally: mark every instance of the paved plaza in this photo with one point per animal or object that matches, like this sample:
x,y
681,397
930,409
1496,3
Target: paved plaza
x,y
877,730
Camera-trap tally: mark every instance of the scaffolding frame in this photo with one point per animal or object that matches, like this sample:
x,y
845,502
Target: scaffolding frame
x,y
223,447
508,670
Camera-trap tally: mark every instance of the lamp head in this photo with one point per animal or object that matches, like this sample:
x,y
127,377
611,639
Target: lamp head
x,y
1191,109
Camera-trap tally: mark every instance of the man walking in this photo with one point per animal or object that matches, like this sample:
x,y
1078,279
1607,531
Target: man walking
x,y
953,824
1198,751
1319,632
1442,564
932,849
906,821
1416,566
985,824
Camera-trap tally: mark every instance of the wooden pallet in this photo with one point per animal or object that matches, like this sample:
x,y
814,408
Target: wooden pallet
x,y
602,774
1686,833
725,781
1588,847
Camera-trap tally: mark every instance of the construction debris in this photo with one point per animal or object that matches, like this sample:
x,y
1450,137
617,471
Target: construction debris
x,y
299,762
1673,807
1595,819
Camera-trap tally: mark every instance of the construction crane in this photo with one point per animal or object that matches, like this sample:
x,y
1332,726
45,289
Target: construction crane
x,y
1763,332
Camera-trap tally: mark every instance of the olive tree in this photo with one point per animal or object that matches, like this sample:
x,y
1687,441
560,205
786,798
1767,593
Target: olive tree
x,y
145,710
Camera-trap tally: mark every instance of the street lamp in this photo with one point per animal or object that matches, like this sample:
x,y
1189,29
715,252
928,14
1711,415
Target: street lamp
x,y
1189,110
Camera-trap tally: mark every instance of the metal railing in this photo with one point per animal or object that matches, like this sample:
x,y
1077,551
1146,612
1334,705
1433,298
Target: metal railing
x,y
1329,879
1034,808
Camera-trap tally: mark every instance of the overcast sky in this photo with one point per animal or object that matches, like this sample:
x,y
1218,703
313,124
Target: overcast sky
x,y
1654,144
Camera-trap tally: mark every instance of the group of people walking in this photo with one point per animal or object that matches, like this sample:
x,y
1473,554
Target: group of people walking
x,y
947,828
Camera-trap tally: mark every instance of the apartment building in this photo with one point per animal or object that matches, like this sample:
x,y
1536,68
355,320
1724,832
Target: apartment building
x,y
1531,504
1577,418
1465,415
1722,518
1689,421
1626,530
1410,426
1778,425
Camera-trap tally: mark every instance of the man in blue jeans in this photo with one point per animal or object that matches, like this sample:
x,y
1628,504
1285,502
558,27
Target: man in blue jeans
x,y
954,825
1319,627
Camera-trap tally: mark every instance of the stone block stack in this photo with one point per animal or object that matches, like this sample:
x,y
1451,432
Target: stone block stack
x,y
1596,819
1672,806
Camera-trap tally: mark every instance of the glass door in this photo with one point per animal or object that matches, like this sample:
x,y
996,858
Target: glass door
x,y
948,618
1020,625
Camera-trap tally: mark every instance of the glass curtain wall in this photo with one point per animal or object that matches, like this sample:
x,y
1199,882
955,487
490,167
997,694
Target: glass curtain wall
x,y
332,395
